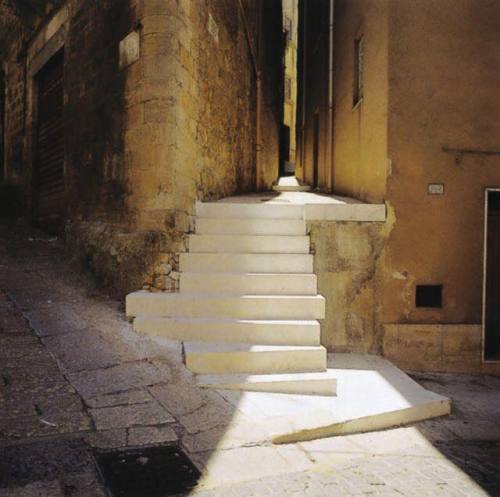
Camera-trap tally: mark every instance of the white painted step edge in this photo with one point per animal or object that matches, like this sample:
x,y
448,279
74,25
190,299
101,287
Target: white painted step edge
x,y
270,244
217,358
320,384
249,283
244,226
248,210
265,332
246,263
281,307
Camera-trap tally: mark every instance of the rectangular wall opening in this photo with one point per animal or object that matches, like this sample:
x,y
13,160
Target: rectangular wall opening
x,y
429,296
491,308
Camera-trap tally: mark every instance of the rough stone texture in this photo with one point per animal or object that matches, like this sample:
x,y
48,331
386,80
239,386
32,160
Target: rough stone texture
x,y
146,414
115,379
122,398
436,347
35,398
144,141
49,469
347,262
119,258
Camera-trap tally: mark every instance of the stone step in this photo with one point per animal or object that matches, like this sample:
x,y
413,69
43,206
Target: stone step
x,y
304,307
249,226
257,209
250,331
217,358
249,283
267,244
246,263
324,383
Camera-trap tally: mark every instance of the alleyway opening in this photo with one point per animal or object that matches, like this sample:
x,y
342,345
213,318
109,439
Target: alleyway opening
x,y
492,277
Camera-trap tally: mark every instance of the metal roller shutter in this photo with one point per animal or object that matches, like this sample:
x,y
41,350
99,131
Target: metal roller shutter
x,y
49,174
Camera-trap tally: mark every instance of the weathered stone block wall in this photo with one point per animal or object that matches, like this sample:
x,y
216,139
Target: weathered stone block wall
x,y
348,263
104,103
96,115
144,141
13,68
209,110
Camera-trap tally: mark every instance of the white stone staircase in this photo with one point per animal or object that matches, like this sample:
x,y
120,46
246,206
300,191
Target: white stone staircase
x,y
248,306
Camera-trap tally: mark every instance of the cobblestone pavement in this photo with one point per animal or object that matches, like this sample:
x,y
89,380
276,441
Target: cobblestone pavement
x,y
76,380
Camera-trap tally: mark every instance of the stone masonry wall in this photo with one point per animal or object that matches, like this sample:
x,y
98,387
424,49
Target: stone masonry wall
x,y
13,68
144,140
198,56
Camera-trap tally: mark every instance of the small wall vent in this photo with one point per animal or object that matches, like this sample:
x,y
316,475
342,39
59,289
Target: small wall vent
x,y
429,296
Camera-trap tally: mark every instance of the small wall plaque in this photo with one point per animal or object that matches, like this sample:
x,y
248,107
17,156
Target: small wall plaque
x,y
435,189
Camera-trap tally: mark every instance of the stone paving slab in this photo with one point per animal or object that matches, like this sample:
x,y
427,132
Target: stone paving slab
x,y
149,414
116,379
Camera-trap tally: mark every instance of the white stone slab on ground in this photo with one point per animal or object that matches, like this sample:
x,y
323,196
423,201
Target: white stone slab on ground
x,y
372,394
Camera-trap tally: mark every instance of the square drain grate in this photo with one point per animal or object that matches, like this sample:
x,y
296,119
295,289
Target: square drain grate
x,y
149,472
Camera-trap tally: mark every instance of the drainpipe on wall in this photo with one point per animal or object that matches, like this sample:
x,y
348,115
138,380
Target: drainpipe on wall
x,y
258,88
304,93
330,97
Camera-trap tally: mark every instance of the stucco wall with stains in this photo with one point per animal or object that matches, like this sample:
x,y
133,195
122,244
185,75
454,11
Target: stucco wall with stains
x,y
348,261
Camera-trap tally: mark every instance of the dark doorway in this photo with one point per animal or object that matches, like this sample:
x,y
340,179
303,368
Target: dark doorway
x,y
492,275
285,148
2,126
49,187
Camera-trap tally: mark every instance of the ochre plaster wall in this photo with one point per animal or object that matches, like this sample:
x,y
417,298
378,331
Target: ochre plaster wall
x,y
200,105
443,83
360,133
313,81
443,77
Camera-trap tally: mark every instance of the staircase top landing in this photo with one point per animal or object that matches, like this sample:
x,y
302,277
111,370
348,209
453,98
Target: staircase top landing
x,y
317,206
